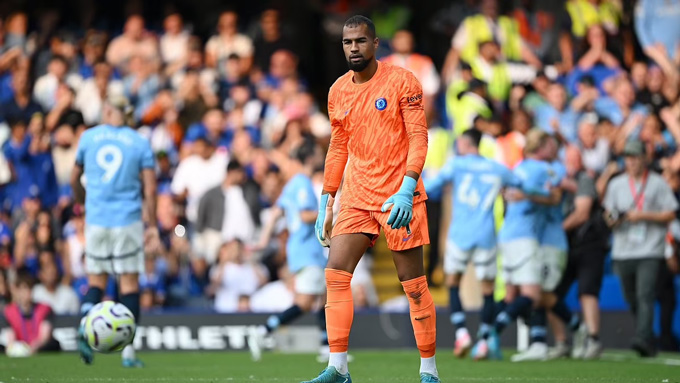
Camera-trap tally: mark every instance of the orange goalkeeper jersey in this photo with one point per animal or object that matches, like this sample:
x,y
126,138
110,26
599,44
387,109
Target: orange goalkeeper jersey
x,y
379,131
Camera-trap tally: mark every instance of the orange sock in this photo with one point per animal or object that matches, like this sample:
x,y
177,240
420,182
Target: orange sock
x,y
339,309
423,315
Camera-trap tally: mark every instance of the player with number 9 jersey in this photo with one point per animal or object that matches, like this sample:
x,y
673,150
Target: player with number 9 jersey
x,y
115,165
113,158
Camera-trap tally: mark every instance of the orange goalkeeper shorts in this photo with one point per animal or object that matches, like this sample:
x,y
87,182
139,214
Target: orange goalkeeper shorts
x,y
351,221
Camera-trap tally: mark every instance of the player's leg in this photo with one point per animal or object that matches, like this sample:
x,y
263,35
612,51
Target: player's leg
x,y
128,262
98,266
354,231
346,251
407,254
553,265
557,324
324,349
455,263
485,269
95,292
129,297
524,271
309,285
409,264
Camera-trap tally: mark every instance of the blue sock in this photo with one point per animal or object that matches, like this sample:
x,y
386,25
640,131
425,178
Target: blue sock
x,y
538,323
488,309
457,314
321,317
499,307
274,321
520,305
570,319
93,296
131,301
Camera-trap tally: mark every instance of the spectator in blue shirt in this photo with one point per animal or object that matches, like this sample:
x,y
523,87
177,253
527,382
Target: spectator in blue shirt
x,y
21,105
31,158
211,127
141,85
618,107
151,285
556,116
657,28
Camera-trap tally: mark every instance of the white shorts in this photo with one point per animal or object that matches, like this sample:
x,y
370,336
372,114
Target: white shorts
x,y
521,262
311,280
206,245
456,261
114,250
554,263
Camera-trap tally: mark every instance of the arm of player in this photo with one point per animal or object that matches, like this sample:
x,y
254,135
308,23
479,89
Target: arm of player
x,y
309,216
554,197
336,158
149,185
415,123
78,189
268,229
441,179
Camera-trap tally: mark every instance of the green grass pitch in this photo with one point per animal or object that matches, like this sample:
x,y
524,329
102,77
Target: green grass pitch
x,y
376,366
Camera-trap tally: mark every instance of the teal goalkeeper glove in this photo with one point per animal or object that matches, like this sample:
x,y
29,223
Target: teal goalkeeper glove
x,y
324,220
401,204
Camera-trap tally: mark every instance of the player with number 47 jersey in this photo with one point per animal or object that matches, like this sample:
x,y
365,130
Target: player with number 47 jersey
x,y
477,182
118,168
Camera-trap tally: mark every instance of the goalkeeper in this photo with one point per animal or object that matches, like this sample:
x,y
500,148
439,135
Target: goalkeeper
x,y
379,132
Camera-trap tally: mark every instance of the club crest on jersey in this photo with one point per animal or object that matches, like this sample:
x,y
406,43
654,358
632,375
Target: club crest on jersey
x,y
381,103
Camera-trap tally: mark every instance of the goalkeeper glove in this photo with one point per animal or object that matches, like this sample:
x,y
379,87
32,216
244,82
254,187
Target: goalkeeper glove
x,y
401,204
324,220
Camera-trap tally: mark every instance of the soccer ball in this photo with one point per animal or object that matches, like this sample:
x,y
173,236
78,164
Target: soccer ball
x,y
109,326
18,349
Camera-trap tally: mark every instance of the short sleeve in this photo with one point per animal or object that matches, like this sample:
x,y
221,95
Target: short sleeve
x,y
608,201
537,181
80,152
557,173
148,161
586,187
509,178
305,198
667,200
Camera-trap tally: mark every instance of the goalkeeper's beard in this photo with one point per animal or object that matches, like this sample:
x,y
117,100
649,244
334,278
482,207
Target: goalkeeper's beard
x,y
359,66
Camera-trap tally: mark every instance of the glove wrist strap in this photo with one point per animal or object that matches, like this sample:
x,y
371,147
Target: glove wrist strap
x,y
408,185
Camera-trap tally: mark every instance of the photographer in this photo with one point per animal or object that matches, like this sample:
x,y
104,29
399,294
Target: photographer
x,y
639,206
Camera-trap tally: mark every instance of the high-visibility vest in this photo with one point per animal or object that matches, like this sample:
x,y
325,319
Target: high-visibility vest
x,y
583,15
465,110
440,142
499,84
610,13
479,31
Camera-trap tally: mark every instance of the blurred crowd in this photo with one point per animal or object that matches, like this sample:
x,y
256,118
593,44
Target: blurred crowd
x,y
595,73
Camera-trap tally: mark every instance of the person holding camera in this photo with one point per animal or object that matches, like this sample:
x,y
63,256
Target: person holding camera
x,y
639,205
